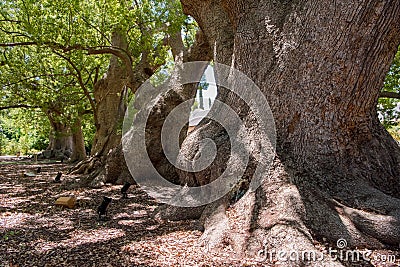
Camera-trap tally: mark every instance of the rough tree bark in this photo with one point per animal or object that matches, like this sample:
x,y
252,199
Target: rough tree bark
x,y
109,111
320,65
106,163
66,141
78,142
110,95
175,94
60,137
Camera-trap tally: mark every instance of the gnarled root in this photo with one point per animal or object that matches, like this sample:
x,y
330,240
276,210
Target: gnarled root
x,y
289,217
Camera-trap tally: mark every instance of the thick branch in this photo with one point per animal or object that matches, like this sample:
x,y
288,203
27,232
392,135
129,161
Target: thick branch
x,y
37,76
17,44
390,95
200,50
177,47
10,20
118,52
143,70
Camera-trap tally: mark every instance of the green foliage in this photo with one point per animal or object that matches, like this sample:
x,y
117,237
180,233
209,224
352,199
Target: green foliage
x,y
395,131
22,131
8,235
45,63
88,130
388,108
163,73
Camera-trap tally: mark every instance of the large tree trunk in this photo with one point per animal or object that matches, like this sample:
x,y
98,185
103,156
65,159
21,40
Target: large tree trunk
x,y
110,94
107,163
60,137
78,142
176,94
336,174
110,99
154,106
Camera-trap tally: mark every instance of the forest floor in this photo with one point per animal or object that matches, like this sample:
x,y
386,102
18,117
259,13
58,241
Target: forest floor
x,y
35,232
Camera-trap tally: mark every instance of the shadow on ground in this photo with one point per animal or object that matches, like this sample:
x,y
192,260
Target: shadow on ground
x,y
35,232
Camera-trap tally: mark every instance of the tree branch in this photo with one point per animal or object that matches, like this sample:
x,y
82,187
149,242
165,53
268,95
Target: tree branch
x,y
10,20
96,29
38,76
17,44
116,51
80,80
200,50
85,112
390,95
96,76
18,106
177,47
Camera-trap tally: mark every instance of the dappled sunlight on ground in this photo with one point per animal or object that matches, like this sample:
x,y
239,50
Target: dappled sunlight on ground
x,y
78,238
35,232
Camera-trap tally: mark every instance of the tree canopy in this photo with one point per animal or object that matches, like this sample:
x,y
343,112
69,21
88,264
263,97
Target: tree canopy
x,y
52,53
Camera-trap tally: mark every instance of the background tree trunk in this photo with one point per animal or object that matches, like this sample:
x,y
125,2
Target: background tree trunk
x,y
78,142
337,171
176,94
60,138
110,99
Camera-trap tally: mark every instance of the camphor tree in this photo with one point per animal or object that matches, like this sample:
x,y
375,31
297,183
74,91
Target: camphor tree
x,y
157,27
131,36
36,79
336,173
134,37
43,49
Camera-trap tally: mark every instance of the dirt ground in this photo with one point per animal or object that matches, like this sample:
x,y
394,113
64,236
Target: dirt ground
x,y
35,232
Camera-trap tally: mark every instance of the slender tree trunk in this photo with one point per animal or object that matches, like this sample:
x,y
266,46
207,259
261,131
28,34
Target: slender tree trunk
x,y
320,65
201,104
78,142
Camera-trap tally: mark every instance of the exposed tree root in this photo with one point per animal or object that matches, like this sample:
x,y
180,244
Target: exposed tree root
x,y
86,166
297,208
101,170
173,213
290,214
336,176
